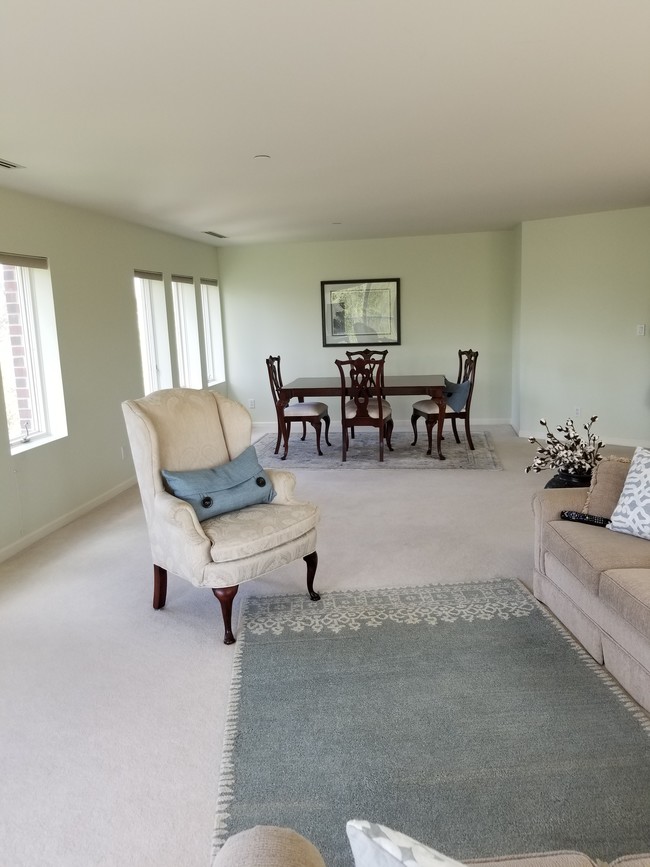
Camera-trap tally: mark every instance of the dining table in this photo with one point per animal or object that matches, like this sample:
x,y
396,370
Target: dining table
x,y
430,384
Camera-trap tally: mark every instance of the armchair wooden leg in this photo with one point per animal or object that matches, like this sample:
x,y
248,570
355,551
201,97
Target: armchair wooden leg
x,y
159,586
312,562
225,595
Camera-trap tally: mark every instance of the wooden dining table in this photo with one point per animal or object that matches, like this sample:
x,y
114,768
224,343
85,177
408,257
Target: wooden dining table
x,y
430,384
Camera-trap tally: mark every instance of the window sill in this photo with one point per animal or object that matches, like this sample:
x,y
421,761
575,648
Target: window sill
x,y
19,448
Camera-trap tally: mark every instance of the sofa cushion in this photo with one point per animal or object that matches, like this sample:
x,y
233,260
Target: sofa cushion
x,y
539,859
627,592
587,550
607,483
632,861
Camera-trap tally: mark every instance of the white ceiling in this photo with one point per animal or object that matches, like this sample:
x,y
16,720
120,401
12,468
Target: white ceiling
x,y
381,117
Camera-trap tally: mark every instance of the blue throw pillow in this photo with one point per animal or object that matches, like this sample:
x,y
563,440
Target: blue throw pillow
x,y
226,488
457,394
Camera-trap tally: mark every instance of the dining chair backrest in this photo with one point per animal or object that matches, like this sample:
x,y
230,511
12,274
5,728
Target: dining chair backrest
x,y
362,379
467,371
275,377
370,355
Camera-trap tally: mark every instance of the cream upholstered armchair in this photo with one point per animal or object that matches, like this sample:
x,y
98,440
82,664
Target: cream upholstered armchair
x,y
180,429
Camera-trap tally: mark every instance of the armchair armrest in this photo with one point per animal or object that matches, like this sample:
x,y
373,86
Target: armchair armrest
x,y
284,483
178,542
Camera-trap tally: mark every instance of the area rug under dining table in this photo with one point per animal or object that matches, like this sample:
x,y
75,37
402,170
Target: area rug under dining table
x,y
463,715
364,452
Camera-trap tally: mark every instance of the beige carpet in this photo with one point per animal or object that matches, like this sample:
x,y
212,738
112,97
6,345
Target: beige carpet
x,y
112,714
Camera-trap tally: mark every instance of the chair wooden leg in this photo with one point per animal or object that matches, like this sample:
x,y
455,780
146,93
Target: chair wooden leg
x,y
312,562
317,427
389,434
382,434
225,595
429,423
326,419
286,434
468,434
159,586
304,431
279,440
344,442
455,429
414,425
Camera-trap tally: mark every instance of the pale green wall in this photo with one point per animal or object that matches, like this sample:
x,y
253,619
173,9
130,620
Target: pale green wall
x,y
92,259
552,307
585,286
456,292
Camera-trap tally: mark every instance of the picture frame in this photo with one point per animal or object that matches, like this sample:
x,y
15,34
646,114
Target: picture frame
x,y
357,312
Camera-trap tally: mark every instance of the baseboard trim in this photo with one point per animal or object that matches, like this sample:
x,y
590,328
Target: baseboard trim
x,y
36,535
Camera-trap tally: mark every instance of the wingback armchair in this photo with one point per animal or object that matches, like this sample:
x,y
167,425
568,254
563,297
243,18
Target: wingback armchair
x,y
182,429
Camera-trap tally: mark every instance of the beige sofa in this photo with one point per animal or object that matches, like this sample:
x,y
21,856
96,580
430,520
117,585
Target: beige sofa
x,y
268,846
596,581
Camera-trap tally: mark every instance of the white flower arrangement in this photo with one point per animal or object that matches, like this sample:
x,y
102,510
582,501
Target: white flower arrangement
x,y
572,455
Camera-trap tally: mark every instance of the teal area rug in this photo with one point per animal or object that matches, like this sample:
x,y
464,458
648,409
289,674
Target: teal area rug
x,y
364,452
460,714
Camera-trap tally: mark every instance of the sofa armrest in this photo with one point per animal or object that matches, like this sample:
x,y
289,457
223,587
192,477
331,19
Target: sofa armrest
x,y
270,846
547,505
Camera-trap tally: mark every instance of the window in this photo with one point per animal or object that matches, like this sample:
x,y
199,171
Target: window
x,y
152,327
29,353
188,352
213,332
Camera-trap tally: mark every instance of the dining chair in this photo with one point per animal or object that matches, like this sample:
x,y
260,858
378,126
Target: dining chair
x,y
459,400
297,412
190,447
369,353
361,400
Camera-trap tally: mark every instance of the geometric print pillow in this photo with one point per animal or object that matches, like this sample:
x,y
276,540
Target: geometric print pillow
x,y
378,846
632,512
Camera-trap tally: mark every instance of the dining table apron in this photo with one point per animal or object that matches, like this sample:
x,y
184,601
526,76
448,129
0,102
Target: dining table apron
x,y
430,384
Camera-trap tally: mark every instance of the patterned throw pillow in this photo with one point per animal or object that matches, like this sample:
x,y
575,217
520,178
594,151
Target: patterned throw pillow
x,y
632,512
377,846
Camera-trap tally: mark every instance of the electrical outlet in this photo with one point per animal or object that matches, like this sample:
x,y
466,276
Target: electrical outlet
x,y
577,412
640,331
122,450
251,404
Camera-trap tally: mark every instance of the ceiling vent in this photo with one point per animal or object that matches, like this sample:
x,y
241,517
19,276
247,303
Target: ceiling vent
x,y
7,164
216,235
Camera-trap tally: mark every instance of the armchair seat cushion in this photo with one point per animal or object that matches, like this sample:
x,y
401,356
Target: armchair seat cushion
x,y
256,529
300,410
373,409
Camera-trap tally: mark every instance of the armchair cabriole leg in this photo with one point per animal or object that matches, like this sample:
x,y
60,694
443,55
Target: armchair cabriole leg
x,y
312,562
159,586
225,595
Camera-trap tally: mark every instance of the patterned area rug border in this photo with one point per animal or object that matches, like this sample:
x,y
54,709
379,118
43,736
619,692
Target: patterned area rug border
x,y
364,452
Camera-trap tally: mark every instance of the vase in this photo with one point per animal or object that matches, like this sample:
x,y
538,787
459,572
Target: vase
x,y
563,479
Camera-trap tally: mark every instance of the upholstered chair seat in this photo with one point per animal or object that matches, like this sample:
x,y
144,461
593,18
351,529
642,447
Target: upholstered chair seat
x,y
300,410
351,409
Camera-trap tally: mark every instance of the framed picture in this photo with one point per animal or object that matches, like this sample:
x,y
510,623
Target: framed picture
x,y
360,311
